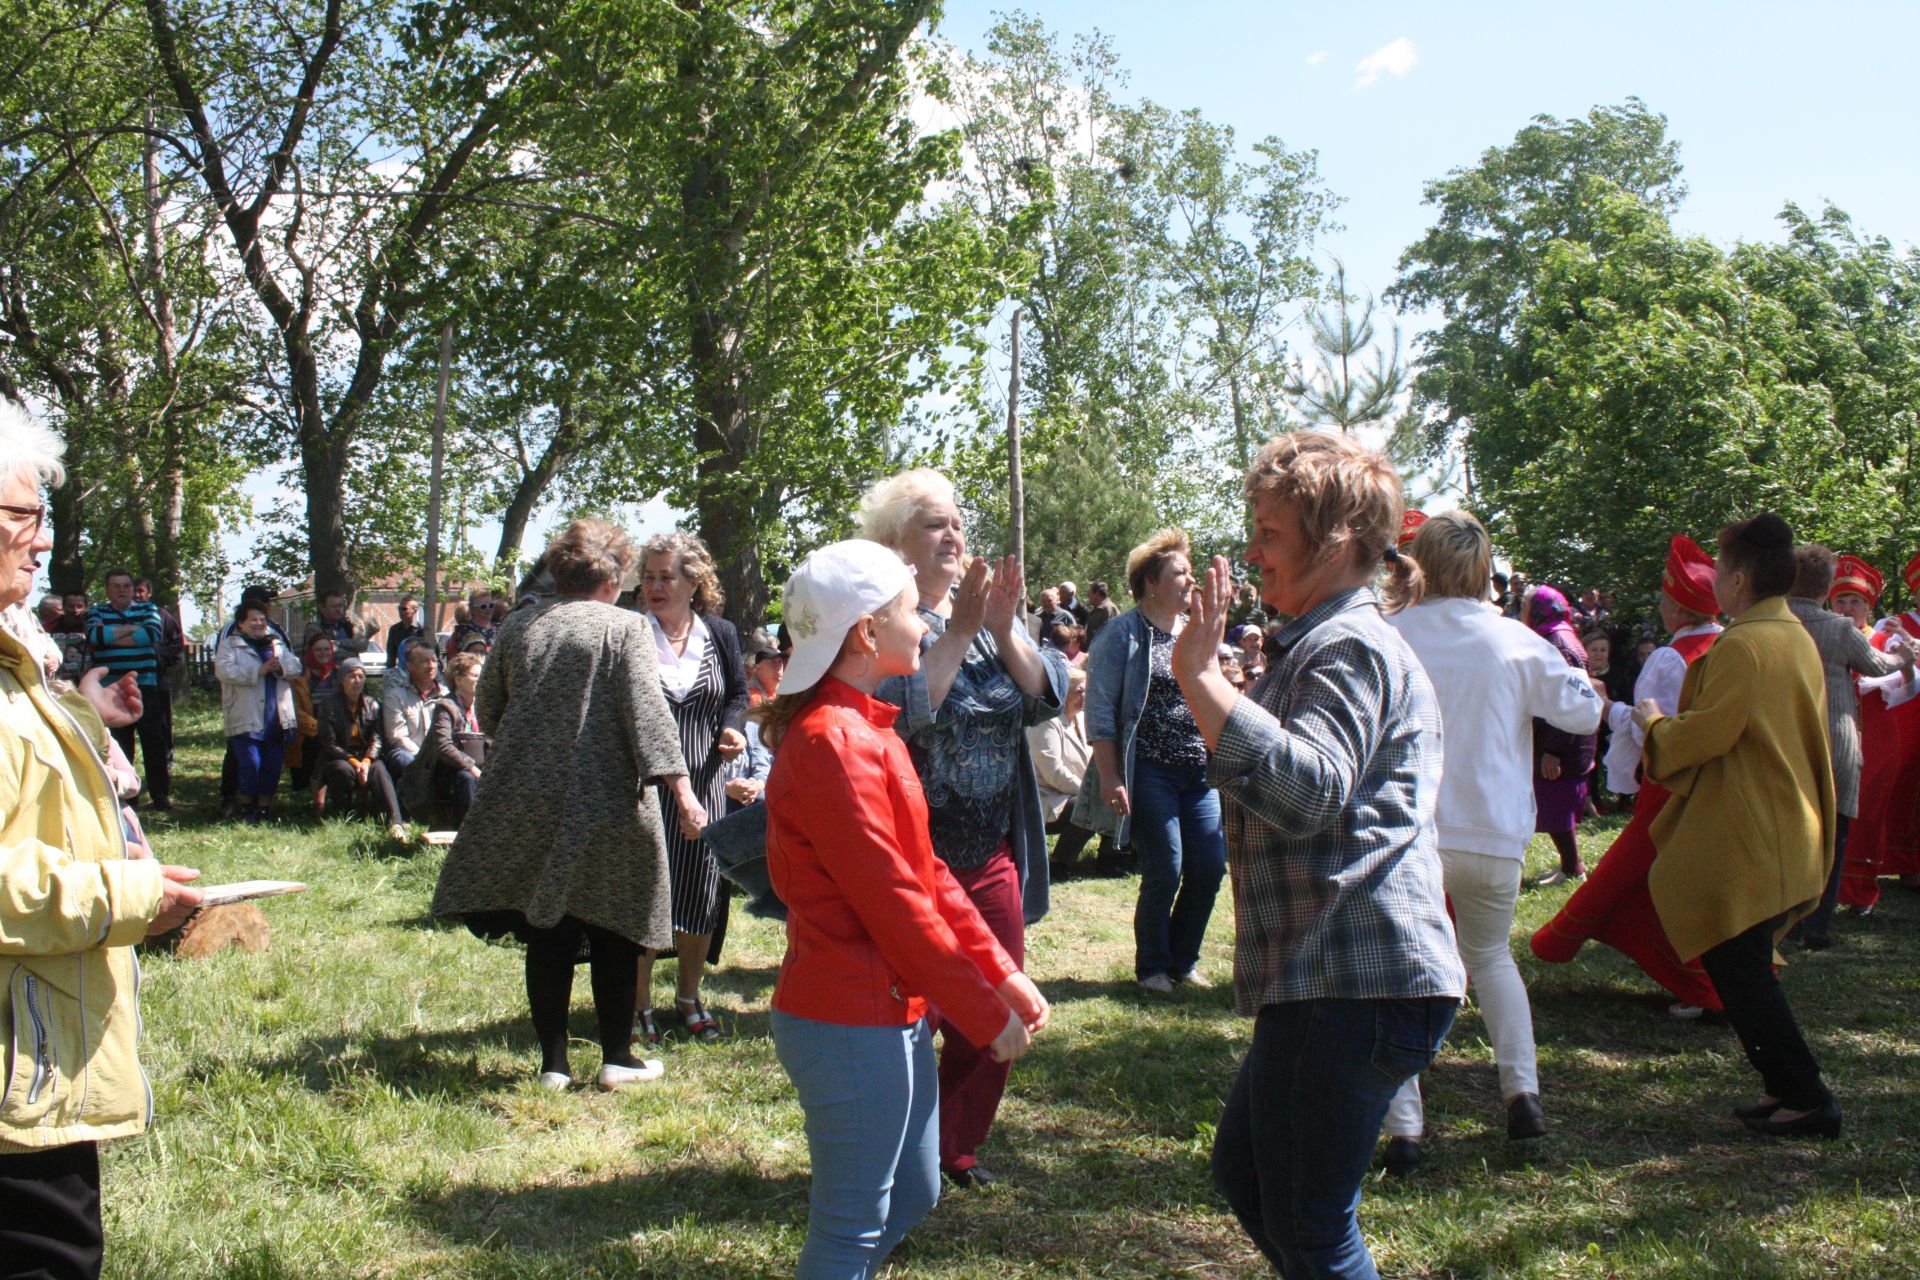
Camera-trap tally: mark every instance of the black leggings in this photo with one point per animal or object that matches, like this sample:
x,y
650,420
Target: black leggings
x,y
50,1213
613,964
1742,972
344,789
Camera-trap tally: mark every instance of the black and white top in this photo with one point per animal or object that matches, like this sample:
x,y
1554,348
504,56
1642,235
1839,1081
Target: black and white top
x,y
1168,735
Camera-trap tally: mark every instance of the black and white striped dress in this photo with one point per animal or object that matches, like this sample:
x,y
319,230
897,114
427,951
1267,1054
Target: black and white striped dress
x,y
696,877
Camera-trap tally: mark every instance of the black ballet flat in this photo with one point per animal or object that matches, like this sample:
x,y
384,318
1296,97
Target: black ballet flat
x,y
1824,1123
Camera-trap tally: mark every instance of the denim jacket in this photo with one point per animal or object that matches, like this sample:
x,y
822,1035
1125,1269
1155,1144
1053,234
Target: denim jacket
x,y
1119,671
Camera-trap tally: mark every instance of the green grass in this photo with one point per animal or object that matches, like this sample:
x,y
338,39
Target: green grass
x,y
358,1101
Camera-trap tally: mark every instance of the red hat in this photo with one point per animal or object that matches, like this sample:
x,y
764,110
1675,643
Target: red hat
x,y
1911,575
1857,576
1688,581
1409,525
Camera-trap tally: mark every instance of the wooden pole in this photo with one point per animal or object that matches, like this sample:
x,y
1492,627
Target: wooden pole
x,y
431,621
1016,490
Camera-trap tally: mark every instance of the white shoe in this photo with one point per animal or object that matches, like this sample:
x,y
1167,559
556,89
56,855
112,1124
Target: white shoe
x,y
1558,876
398,831
555,1080
1195,979
1159,982
1684,1011
612,1077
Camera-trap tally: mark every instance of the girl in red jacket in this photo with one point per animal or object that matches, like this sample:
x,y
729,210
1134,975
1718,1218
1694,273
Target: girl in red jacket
x,y
877,928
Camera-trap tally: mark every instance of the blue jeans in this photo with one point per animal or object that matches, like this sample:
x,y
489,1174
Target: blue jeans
x,y
1182,854
258,762
872,1101
1301,1120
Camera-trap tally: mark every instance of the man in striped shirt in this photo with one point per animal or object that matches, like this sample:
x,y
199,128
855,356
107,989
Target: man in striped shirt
x,y
126,635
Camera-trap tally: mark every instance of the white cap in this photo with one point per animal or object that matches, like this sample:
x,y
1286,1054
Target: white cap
x,y
827,594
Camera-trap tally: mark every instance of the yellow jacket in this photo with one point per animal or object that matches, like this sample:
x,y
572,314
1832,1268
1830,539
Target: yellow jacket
x,y
1749,833
71,906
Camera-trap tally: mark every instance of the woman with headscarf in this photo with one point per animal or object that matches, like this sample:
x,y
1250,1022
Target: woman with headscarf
x,y
1561,760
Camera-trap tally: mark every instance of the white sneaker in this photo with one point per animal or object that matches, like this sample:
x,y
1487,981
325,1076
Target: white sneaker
x,y
555,1080
1195,979
1684,1011
1159,982
612,1077
1558,876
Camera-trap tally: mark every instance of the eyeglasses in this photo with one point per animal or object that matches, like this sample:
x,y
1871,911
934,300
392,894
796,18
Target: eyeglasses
x,y
38,513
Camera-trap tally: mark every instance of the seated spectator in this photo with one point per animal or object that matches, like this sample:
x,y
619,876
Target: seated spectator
x,y
476,644
407,628
1071,642
255,666
1230,667
445,774
311,689
1060,755
405,716
348,775
350,637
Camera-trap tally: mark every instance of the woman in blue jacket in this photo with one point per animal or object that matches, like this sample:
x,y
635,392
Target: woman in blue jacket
x,y
1150,768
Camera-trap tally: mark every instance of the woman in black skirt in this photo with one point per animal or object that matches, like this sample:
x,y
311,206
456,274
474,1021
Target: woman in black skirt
x,y
705,683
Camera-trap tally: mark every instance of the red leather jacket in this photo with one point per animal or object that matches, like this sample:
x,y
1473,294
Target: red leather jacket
x,y
877,927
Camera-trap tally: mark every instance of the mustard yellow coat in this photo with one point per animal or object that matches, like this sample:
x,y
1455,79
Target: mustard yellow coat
x,y
1749,833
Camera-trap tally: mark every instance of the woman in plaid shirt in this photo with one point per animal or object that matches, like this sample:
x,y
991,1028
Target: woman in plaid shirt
x,y
1344,954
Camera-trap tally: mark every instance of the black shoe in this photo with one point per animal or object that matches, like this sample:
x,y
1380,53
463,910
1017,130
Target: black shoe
x,y
1824,1123
161,806
973,1179
1403,1156
1525,1119
1756,1110
1817,941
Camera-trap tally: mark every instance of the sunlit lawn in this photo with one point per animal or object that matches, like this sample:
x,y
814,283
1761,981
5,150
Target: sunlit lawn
x,y
359,1101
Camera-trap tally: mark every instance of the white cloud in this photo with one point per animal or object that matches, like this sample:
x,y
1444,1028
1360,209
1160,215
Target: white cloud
x,y
1394,59
1317,57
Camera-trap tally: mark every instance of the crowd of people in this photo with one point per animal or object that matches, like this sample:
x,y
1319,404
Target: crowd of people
x,y
1364,748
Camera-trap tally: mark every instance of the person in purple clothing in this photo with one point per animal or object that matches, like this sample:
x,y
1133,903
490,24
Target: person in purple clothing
x,y
1562,761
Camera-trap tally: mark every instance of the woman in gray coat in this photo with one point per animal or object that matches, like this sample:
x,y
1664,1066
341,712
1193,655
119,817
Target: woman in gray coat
x,y
564,847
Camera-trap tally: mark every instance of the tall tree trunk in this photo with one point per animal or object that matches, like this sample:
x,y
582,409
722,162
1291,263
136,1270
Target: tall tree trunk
x,y
66,507
561,450
167,496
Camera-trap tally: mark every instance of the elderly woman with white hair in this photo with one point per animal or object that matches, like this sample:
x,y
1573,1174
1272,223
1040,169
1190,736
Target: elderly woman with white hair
x,y
964,716
1330,770
72,904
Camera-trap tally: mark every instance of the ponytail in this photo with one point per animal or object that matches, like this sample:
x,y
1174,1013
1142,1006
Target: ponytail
x,y
1406,585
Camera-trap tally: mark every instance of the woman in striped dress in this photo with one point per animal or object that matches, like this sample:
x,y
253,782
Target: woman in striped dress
x,y
705,683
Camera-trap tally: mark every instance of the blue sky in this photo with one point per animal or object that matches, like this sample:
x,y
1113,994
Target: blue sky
x,y
1770,102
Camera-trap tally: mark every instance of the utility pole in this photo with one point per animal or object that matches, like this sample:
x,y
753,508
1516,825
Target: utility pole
x,y
431,621
1017,494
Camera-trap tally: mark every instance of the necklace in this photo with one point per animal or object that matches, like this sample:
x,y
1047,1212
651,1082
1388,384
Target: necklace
x,y
678,641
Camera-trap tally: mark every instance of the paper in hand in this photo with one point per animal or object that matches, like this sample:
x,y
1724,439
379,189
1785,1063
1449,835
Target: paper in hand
x,y
219,895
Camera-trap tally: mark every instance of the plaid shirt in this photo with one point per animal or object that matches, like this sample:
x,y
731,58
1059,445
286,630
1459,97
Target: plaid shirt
x,y
1332,768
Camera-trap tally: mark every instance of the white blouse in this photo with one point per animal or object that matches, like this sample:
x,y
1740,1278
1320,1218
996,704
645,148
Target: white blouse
x,y
678,672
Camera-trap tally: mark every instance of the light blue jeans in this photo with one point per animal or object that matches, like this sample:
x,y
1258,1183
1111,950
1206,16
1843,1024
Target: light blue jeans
x,y
872,1100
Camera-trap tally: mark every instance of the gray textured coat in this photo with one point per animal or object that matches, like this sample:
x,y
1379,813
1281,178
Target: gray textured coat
x,y
563,823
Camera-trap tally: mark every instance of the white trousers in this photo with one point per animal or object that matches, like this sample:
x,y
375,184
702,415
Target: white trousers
x,y
1483,889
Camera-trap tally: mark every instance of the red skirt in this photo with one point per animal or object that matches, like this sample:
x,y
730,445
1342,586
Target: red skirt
x,y
1885,838
1614,906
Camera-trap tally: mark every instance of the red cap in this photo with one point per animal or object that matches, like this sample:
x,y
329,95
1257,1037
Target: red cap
x,y
1688,581
1911,575
1857,576
1410,524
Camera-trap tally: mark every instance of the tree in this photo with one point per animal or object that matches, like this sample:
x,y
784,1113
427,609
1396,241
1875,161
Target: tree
x,y
1353,384
1495,223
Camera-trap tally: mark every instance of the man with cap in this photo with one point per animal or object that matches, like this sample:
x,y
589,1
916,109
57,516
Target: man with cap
x,y
1844,654
1614,905
1885,839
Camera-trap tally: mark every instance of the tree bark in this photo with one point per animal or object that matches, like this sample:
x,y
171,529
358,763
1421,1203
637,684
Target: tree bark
x,y
562,448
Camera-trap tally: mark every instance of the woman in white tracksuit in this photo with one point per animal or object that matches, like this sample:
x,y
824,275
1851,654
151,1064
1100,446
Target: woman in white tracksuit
x,y
1492,676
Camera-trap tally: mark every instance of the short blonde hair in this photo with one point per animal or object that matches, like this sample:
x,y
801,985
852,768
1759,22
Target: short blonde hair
x,y
587,554
888,508
1146,562
1346,496
1455,556
462,663
692,560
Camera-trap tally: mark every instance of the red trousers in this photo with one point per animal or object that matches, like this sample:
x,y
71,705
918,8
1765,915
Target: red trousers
x,y
971,1082
1614,906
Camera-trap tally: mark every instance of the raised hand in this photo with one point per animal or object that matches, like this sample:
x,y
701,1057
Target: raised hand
x,y
970,602
119,704
1005,596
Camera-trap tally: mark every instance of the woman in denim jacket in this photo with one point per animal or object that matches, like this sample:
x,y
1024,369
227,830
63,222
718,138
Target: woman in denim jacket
x,y
1150,768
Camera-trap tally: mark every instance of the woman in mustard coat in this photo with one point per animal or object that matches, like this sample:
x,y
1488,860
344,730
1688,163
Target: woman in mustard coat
x,y
1747,840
